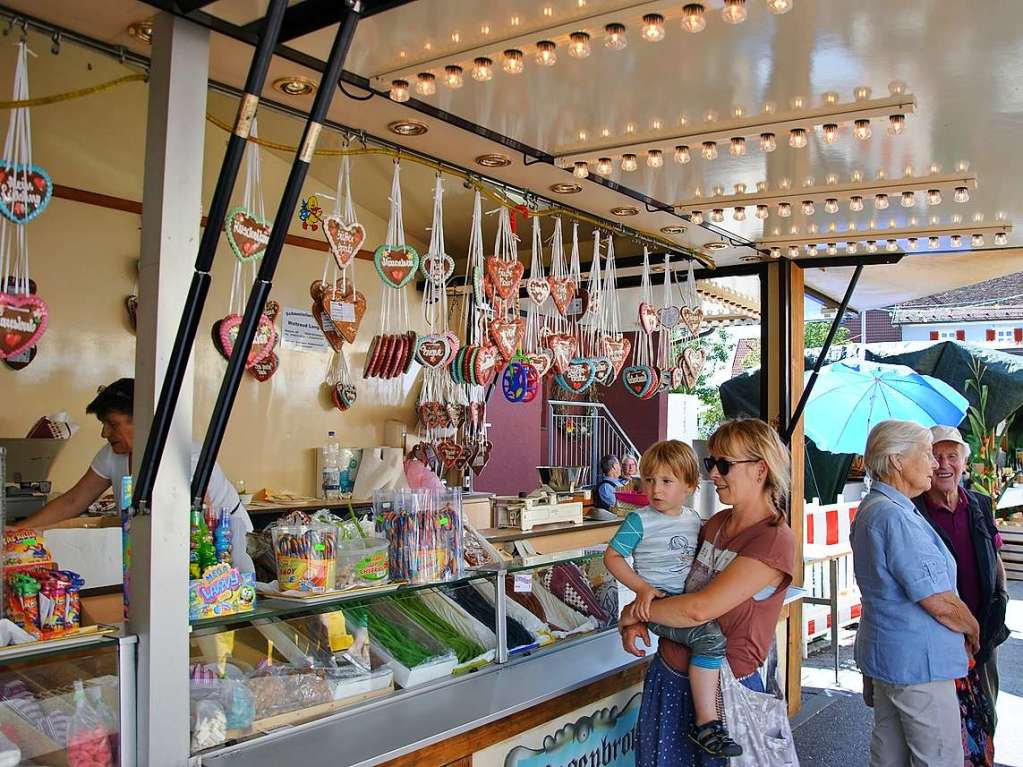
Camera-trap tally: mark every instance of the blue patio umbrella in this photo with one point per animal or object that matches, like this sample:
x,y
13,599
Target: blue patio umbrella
x,y
853,395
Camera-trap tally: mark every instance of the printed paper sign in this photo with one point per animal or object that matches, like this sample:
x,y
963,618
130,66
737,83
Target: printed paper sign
x,y
523,583
301,333
342,311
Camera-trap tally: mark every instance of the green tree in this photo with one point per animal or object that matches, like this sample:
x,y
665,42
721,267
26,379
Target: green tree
x,y
815,331
718,348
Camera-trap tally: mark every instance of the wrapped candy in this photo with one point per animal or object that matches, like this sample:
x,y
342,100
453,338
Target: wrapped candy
x,y
88,743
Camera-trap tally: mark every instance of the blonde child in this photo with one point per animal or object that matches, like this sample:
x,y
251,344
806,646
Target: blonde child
x,y
662,540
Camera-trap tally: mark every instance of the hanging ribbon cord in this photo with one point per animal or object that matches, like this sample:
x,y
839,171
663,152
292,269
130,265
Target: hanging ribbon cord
x,y
536,277
395,313
18,161
644,352
664,355
596,325
474,267
435,294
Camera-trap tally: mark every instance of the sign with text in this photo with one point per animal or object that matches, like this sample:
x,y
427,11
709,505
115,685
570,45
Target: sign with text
x,y
603,734
300,332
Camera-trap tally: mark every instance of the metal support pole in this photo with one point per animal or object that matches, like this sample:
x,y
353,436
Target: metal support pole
x,y
501,616
171,196
833,608
808,389
264,280
198,290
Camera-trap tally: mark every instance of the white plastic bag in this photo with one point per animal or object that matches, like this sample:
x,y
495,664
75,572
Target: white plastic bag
x,y
759,722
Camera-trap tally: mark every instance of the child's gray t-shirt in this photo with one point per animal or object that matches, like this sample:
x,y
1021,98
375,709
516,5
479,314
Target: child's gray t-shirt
x,y
662,547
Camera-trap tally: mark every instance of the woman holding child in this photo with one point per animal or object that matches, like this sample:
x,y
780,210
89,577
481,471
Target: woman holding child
x,y
734,583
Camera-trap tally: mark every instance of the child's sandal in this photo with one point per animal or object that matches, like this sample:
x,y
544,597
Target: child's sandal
x,y
713,739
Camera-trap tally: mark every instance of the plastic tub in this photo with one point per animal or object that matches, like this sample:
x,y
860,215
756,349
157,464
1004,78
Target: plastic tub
x,y
306,557
362,562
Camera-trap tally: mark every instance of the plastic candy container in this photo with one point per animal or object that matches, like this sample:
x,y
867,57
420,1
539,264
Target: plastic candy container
x,y
306,556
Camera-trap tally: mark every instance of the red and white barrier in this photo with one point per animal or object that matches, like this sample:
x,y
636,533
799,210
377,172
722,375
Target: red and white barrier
x,y
824,527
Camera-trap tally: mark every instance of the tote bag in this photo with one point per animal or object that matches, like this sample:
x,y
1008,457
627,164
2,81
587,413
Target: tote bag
x,y
759,722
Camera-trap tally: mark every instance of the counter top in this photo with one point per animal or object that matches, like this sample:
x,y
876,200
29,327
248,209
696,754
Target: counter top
x,y
506,534
314,504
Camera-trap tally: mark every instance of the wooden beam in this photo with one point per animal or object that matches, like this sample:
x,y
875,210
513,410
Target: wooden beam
x,y
796,372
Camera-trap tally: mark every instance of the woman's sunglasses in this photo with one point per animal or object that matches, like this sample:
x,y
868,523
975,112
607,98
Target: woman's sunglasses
x,y
723,464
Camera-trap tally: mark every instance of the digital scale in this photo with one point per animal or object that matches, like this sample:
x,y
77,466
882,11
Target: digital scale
x,y
525,513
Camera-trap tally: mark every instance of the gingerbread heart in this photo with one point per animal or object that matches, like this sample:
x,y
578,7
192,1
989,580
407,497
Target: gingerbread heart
x,y
438,267
668,317
424,453
477,412
449,452
578,376
25,191
317,288
538,290
485,364
247,234
507,336
345,310
433,351
504,276
678,377
693,319
562,293
395,264
23,320
271,309
605,371
262,345
648,318
481,456
131,305
456,414
564,347
21,360
693,359
344,240
617,349
327,326
264,369
542,361
433,415
640,380
585,302
343,396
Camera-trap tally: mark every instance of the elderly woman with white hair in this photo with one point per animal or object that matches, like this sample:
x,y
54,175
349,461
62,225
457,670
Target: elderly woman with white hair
x,y
914,631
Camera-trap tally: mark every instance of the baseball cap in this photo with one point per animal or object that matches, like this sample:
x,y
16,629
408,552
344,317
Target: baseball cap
x,y
948,434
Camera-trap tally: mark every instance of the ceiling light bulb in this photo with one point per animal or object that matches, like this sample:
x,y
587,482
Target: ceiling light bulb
x,y
793,251
832,248
977,241
891,246
913,243
896,87
768,143
761,212
629,162
851,248
880,201
784,209
934,197
654,158
581,170
737,146
482,69
957,218
682,155
696,217
871,246
717,215
861,93
961,194
579,45
908,199
933,242
775,252
955,241
546,53
740,188
856,203
453,76
896,124
831,205
807,207
614,37
604,166
399,91
718,190
709,150
693,18
739,214
1001,239
861,129
426,84
653,28
734,11
513,62
811,250
779,6
830,133
797,138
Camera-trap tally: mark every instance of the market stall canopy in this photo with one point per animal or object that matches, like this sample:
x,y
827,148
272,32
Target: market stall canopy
x,y
818,65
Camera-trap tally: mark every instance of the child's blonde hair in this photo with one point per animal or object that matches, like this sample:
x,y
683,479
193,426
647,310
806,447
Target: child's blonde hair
x,y
676,456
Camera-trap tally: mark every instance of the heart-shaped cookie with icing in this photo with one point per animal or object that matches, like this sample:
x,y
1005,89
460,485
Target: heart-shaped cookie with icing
x,y
433,351
247,234
344,240
605,371
617,350
23,320
327,326
25,191
262,345
433,415
692,319
562,293
507,336
640,380
648,318
542,361
693,359
396,264
504,276
538,290
345,310
263,370
481,456
438,267
484,365
449,452
668,317
564,347
578,376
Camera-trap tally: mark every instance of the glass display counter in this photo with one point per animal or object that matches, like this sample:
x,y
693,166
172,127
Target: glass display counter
x,y
309,671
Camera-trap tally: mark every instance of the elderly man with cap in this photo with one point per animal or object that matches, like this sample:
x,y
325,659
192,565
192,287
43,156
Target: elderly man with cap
x,y
965,522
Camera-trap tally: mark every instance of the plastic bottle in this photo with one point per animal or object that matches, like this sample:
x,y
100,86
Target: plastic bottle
x,y
222,537
331,472
202,553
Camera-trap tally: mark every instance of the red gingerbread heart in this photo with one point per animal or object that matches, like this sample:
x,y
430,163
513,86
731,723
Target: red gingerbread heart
x,y
449,452
433,415
504,276
692,319
542,361
562,292
564,347
344,240
262,345
23,320
433,351
264,369
484,366
648,318
617,350
507,335
538,289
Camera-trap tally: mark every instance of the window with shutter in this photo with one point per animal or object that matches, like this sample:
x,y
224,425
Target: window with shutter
x,y
990,333
934,335
1017,335
960,335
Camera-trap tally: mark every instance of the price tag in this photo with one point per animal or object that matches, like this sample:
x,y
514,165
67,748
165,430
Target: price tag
x,y
342,311
523,583
575,306
327,324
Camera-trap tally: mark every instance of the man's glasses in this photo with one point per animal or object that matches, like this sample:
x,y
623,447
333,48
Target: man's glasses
x,y
723,464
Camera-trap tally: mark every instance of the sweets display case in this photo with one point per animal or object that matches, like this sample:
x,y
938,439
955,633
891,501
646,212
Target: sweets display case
x,y
417,654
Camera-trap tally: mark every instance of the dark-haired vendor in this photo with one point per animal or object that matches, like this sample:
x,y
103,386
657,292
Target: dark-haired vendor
x,y
113,406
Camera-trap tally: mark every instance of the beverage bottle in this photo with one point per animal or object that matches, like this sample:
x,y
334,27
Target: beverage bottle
x,y
222,537
202,541
331,476
195,523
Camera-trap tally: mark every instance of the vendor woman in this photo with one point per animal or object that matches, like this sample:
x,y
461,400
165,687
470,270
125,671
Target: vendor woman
x,y
113,406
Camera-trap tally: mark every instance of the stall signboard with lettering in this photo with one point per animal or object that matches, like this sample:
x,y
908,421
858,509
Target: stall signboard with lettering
x,y
301,333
